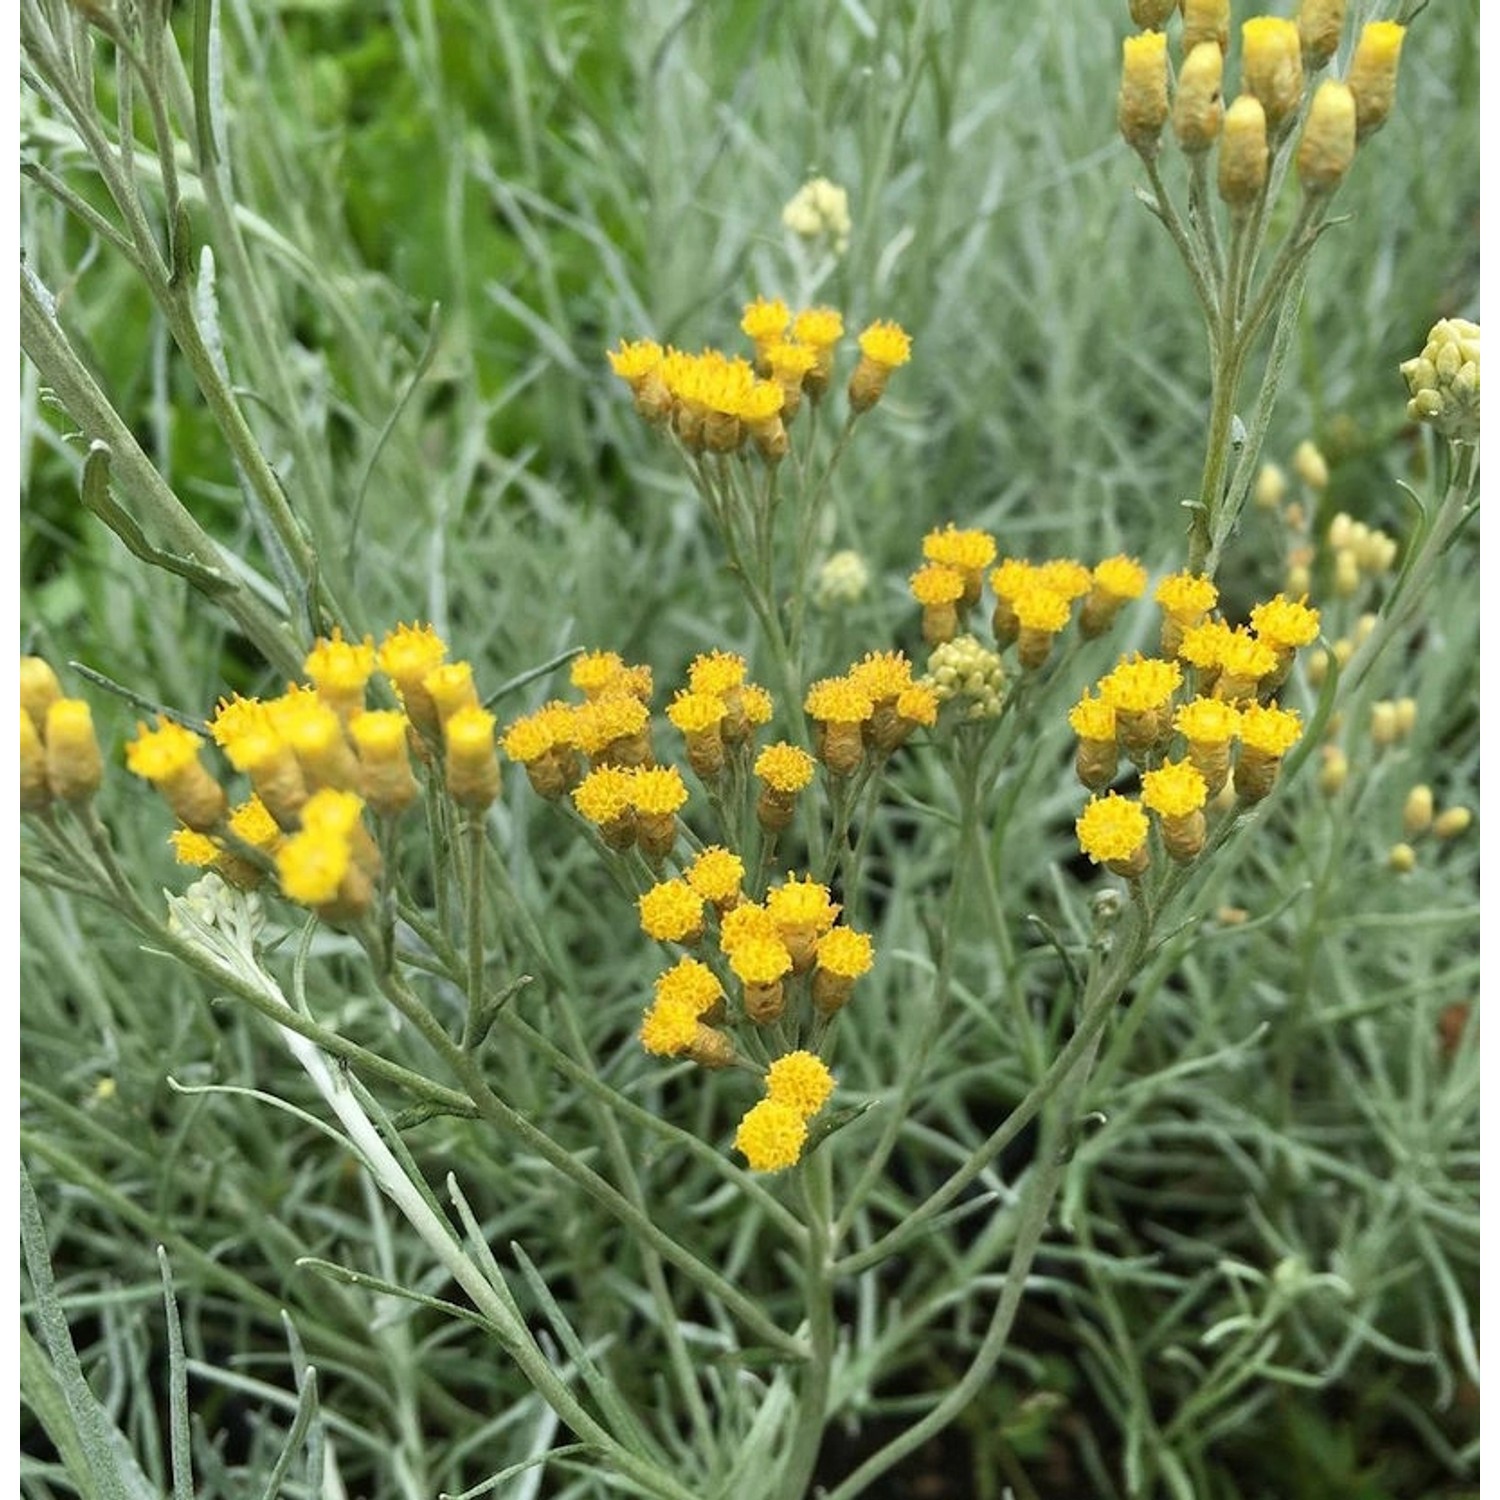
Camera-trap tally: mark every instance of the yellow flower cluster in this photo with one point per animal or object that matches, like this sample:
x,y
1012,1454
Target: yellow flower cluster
x,y
1275,55
773,1132
872,709
717,403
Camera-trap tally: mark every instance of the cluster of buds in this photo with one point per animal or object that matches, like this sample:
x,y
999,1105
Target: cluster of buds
x,y
717,403
1034,602
1420,819
782,962
819,210
60,758
1444,380
1276,56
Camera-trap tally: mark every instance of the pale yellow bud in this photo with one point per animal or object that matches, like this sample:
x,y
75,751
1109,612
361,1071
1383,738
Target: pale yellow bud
x,y
1298,580
1198,110
1152,14
1372,73
1339,528
1451,822
1312,469
1342,650
1345,574
1270,486
1243,153
1384,727
1205,21
1143,105
1416,815
1319,24
1316,667
1402,859
1406,716
1326,150
1334,771
1364,627
1271,67
1296,516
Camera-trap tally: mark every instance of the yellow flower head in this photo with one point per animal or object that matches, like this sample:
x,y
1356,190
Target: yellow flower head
x,y
1119,578
756,704
790,362
883,675
836,700
937,584
1141,684
1039,608
1112,828
158,755
819,328
657,790
633,362
1186,597
252,822
408,654
766,320
604,795
531,737
716,875
919,704
759,402
1174,789
671,912
1065,576
1011,577
339,669
451,688
331,812
470,733
669,1028
236,717
312,865
40,689
195,849
1093,719
1285,624
716,673
1244,658
1203,646
760,960
799,1079
845,953
771,1136
745,922
1269,729
1271,65
691,983
1207,721
785,768
802,903
602,721
596,672
886,345
379,735
1372,73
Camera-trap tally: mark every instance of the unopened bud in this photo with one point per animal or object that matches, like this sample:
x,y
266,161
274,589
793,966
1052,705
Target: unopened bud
x,y
40,689
1205,21
1327,146
1298,580
1364,627
1198,110
75,767
1271,67
1143,104
1402,859
1312,469
1319,23
1406,716
1243,153
1334,771
1345,574
1152,15
1316,666
1372,73
1451,822
1384,727
1416,815
1270,486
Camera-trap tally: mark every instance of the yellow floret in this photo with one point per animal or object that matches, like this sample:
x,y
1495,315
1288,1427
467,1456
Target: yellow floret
x,y
252,822
1207,721
159,754
596,671
846,953
756,703
409,653
918,704
379,734
802,903
789,362
696,713
1065,576
339,668
657,790
1174,790
836,700
801,1080
760,401
603,796
528,739
937,583
1203,646
1242,656
671,912
888,345
1285,624
1141,684
312,866
716,874
236,717
1186,597
747,922
1111,828
1270,729
669,1028
1120,577
760,960
1092,719
765,319
451,688
691,983
883,675
716,673
961,549
634,361
1011,576
818,327
771,1136
195,849
1038,607
331,812
785,768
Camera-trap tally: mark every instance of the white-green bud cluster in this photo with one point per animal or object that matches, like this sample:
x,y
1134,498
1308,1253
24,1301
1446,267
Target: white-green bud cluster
x,y
1444,380
841,580
965,669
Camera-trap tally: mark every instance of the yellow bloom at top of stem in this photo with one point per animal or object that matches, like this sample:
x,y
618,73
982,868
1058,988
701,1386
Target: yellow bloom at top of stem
x,y
252,822
40,689
1207,721
604,795
836,700
759,960
669,1028
379,734
339,669
1143,103
332,812
919,703
1285,624
1319,25
1186,597
1271,66
657,790
801,1080
785,768
1329,138
236,717
312,865
1244,659
692,983
409,653
745,922
756,702
1203,646
1040,608
1372,73
766,320
936,583
1112,828
696,713
771,1136
595,672
1141,684
195,849
790,362
716,673
671,912
964,550
818,328
1174,789
159,754
846,953
716,874
886,344
451,688
1065,576
602,721
1269,729
802,903
633,362
1093,719
1011,576
759,402
1244,154
1120,577
551,727
1205,21
884,675
75,768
